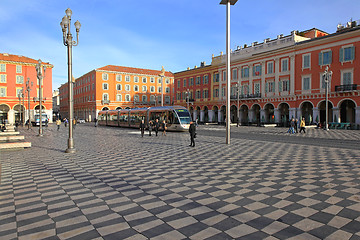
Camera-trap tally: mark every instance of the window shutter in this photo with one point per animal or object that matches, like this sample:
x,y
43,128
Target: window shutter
x,y
330,56
254,70
288,85
266,87
242,73
352,53
280,86
341,57
260,70
320,59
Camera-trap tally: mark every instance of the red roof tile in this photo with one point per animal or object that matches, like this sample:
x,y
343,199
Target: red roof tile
x,y
17,58
134,70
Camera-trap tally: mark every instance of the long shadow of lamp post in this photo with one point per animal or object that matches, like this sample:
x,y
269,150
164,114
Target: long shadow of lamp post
x,y
69,42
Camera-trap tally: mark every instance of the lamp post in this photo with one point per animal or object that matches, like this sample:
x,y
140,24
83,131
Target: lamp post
x,y
40,70
28,89
238,102
20,95
228,74
327,78
187,98
69,42
162,75
23,98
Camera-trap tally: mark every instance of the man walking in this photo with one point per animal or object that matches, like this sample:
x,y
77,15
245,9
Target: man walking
x,y
302,125
142,128
58,123
192,131
156,125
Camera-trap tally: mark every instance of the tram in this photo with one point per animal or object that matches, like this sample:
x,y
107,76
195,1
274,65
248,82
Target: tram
x,y
177,118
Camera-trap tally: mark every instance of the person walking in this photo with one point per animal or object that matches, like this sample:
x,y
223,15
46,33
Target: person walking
x,y
150,127
142,128
292,125
192,131
74,123
65,122
58,123
96,122
296,125
156,125
164,127
302,125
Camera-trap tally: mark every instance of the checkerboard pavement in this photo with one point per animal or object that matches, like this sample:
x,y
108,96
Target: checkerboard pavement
x,y
121,186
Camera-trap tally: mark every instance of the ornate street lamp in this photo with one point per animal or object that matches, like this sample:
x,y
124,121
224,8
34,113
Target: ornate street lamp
x,y
40,70
327,78
228,74
187,98
238,102
28,89
69,42
162,75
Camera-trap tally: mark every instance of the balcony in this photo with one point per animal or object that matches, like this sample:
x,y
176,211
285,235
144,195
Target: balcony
x,y
346,88
246,96
103,102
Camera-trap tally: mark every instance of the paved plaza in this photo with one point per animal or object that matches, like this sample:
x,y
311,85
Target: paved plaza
x,y
266,184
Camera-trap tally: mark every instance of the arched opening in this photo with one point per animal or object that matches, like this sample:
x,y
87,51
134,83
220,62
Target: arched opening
x,y
197,118
307,112
284,114
322,111
4,109
269,113
104,109
244,115
223,114
206,114
37,107
255,118
118,108
19,111
233,114
347,111
216,114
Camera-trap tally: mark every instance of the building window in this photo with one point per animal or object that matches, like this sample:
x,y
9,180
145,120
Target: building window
x,y
105,86
2,67
167,100
127,98
118,87
136,98
257,88
347,78
284,65
152,89
144,80
224,76
184,83
105,97
144,88
197,94
191,82
306,61
2,91
178,83
105,76
152,80
136,88
257,70
127,78
159,89
118,78
3,78
347,54
244,72
118,97
234,73
136,79
223,91
205,93
144,98
325,57
270,67
206,79
159,80
127,87
216,92
197,82
270,87
18,69
167,81
152,98
216,77
306,81
167,90
284,85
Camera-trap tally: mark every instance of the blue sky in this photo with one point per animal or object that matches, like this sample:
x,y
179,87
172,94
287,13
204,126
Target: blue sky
x,y
149,34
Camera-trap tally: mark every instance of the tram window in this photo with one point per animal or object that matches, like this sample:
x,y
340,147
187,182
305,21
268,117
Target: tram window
x,y
171,118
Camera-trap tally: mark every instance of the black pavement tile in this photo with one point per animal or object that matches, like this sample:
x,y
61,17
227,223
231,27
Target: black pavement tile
x,y
349,213
99,214
37,229
288,233
92,234
227,224
158,230
109,222
323,232
193,228
352,227
322,217
255,236
260,222
7,232
76,213
290,218
61,230
222,236
175,217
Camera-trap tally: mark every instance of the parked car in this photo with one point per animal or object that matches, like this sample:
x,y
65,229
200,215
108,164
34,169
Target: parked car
x,y
81,120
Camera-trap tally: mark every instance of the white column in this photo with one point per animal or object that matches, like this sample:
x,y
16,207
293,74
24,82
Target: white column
x,y
292,112
357,115
336,114
202,115
11,116
277,115
194,114
251,115
211,115
299,114
316,114
262,115
220,117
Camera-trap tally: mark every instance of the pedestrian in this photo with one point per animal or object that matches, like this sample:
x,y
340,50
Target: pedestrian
x,y
156,125
58,123
296,125
65,122
96,122
302,125
150,127
142,128
46,122
292,124
164,127
192,131
74,123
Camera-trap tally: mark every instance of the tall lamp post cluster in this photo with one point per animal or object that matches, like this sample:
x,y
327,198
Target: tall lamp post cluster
x,y
228,73
40,70
69,43
327,78
28,89
162,75
21,110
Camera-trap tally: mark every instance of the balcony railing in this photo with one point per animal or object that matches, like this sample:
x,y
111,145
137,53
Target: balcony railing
x,y
346,88
105,102
246,96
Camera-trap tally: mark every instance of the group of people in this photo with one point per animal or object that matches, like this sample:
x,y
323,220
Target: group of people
x,y
294,126
66,121
153,125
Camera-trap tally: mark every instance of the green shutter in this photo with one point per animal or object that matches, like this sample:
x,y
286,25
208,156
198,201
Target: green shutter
x,y
266,87
330,57
352,53
280,86
341,57
260,70
320,59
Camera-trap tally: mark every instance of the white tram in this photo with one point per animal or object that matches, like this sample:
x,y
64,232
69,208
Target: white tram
x,y
177,118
